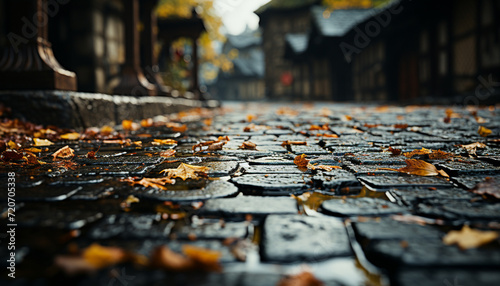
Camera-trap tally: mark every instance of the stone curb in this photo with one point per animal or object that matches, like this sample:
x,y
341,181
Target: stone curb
x,y
81,110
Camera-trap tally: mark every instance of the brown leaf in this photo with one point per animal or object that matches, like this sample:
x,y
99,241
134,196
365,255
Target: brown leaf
x,y
65,153
212,145
421,168
395,152
301,161
185,171
439,155
422,151
302,279
157,183
248,145
289,143
168,153
483,131
489,187
400,126
468,238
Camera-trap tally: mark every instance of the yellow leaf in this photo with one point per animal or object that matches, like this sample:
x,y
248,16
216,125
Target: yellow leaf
x,y
185,171
71,136
483,131
468,238
164,142
42,142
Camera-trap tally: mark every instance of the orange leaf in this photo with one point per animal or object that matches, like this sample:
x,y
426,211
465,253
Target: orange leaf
x,y
102,256
65,153
147,122
468,238
176,127
301,161
422,151
421,168
185,171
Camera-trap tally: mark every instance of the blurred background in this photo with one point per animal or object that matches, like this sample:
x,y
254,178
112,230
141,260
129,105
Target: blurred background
x,y
322,50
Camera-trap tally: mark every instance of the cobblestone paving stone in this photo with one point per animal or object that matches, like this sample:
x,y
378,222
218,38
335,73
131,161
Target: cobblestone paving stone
x,y
361,223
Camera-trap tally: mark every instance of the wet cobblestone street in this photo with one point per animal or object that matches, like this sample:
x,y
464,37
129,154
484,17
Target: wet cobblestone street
x,y
337,190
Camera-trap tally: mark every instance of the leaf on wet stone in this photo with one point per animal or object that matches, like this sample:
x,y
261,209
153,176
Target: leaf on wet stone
x,y
11,155
468,238
439,155
304,278
176,127
164,142
130,125
420,168
472,148
289,143
185,171
247,145
301,161
157,183
96,257
71,136
64,153
394,151
483,131
193,258
327,168
422,151
488,187
168,153
147,122
213,145
42,142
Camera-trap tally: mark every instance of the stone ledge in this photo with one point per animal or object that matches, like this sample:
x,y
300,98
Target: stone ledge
x,y
82,110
